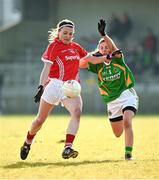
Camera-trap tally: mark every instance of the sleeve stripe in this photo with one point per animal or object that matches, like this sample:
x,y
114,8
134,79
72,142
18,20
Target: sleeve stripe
x,y
46,60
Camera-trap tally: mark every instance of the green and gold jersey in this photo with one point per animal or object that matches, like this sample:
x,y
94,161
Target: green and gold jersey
x,y
113,78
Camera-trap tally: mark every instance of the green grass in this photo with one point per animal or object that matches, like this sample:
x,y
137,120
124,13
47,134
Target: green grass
x,y
100,153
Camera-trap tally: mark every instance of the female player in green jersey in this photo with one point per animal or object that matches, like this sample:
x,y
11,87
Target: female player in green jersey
x,y
115,83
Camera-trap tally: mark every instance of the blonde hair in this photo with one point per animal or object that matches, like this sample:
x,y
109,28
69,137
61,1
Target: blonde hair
x,y
53,33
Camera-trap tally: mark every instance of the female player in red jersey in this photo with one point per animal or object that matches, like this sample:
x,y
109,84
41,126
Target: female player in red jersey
x,y
61,63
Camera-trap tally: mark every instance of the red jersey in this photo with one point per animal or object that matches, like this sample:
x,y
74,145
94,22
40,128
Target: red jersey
x,y
64,59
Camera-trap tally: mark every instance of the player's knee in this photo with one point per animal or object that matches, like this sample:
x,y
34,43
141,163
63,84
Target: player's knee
x,y
118,134
77,112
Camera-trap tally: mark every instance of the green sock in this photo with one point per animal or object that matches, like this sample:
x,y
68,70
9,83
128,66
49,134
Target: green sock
x,y
128,150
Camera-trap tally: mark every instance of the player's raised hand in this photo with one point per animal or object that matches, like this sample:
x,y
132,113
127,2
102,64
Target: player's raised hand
x,y
37,97
101,27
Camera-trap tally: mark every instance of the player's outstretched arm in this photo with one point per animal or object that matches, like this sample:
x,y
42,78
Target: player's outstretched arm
x,y
109,41
94,60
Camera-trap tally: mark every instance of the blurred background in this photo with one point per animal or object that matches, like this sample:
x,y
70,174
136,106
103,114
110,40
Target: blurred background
x,y
24,26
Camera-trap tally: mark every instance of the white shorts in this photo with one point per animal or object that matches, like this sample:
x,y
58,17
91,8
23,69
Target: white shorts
x,y
53,93
128,100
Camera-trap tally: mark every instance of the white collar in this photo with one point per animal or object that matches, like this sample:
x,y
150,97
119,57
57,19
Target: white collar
x,y
107,63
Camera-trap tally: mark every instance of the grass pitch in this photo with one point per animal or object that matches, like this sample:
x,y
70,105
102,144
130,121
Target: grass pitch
x,y
101,154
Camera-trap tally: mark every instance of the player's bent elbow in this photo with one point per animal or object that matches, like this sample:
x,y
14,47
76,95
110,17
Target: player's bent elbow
x,y
83,64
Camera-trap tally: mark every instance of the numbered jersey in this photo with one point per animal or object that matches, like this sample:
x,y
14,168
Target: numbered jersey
x,y
113,78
